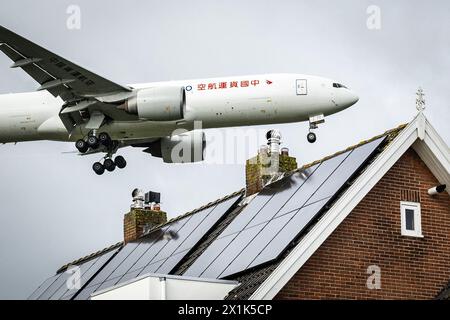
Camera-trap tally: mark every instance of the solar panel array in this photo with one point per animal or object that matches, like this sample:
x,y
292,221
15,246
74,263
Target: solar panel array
x,y
64,285
277,215
160,251
259,234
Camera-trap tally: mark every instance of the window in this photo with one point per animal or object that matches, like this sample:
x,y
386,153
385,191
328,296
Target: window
x,y
338,85
410,219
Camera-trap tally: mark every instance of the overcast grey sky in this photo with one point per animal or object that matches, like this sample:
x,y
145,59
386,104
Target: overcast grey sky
x,y
53,209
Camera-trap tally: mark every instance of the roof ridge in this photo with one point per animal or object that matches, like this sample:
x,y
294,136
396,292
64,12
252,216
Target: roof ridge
x,y
395,130
208,205
89,257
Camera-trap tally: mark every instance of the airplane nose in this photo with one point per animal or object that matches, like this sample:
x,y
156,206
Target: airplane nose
x,y
353,98
345,99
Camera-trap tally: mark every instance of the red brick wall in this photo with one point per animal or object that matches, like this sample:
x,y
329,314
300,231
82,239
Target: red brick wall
x,y
411,268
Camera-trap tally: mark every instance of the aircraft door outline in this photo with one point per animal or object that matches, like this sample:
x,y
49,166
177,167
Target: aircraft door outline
x,y
301,87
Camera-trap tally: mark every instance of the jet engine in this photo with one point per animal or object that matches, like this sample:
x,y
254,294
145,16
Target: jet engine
x,y
158,103
183,148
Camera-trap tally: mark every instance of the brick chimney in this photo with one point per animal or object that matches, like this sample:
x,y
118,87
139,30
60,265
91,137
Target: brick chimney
x,y
142,217
269,162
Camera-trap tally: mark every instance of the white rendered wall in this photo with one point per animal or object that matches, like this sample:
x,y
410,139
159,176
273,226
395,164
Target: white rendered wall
x,y
157,287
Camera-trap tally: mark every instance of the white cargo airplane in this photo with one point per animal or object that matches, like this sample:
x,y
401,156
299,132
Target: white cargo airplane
x,y
100,116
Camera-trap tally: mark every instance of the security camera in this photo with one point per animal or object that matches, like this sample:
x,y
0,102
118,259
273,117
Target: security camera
x,y
438,189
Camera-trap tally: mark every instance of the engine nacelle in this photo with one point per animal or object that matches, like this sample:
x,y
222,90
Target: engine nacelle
x,y
183,148
158,103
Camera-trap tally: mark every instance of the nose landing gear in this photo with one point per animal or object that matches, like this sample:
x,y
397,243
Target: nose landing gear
x,y
314,124
311,137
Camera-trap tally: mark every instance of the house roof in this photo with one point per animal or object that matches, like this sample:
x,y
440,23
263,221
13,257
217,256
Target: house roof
x,y
265,280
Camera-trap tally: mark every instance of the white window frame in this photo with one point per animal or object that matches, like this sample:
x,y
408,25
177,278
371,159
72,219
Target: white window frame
x,y
415,206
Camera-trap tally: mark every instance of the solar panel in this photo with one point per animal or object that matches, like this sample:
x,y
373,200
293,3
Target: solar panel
x,y
216,267
284,192
324,171
178,248
148,251
345,171
64,285
263,230
160,251
113,264
252,209
86,276
285,230
44,286
64,282
260,250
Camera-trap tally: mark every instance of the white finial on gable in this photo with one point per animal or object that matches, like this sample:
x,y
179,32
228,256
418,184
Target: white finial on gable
x,y
420,106
420,100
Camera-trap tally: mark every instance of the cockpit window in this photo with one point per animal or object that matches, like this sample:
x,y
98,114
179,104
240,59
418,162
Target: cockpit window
x,y
338,85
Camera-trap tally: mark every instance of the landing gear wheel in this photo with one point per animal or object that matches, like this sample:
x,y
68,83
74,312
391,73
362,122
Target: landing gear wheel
x,y
104,139
93,142
120,162
82,146
311,137
109,165
98,168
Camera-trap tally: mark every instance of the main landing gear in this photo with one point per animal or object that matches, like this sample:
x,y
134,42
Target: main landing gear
x,y
314,124
93,142
109,165
103,140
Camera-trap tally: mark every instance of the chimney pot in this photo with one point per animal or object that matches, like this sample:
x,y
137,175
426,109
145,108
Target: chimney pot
x,y
285,151
274,141
138,199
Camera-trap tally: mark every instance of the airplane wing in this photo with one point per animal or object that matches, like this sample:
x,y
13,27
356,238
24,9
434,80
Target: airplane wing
x,y
78,87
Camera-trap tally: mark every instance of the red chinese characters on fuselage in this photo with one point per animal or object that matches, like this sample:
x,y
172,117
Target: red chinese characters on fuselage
x,y
227,85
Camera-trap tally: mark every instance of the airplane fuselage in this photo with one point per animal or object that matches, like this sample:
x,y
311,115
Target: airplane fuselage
x,y
216,102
